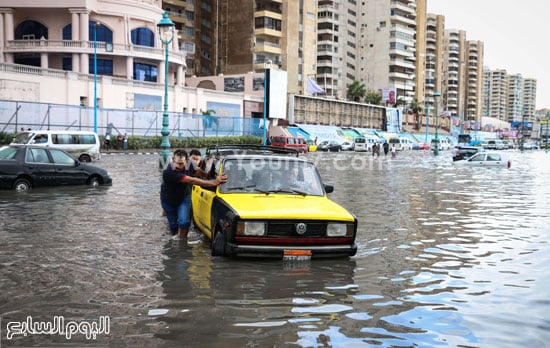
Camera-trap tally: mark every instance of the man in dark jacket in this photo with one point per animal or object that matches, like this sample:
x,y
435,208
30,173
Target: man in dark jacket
x,y
175,192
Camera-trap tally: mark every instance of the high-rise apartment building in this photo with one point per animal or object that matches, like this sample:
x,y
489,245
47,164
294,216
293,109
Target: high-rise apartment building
x,y
473,81
388,46
509,97
529,99
452,92
433,55
495,88
258,34
338,38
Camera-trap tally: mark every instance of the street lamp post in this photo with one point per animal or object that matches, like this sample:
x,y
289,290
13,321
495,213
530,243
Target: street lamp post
x,y
522,140
166,35
427,119
436,142
97,25
546,141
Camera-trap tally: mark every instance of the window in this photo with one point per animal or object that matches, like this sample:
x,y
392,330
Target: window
x,y
493,157
30,28
267,23
145,72
67,64
189,47
37,156
103,33
478,158
60,157
143,37
104,66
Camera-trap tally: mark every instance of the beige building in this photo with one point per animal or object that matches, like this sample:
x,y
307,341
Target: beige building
x,y
338,60
509,97
260,34
120,38
388,47
48,52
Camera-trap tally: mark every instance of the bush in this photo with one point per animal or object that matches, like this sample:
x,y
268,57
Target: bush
x,y
140,142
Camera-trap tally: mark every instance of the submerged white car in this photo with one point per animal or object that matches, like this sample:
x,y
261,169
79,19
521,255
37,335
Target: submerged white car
x,y
486,159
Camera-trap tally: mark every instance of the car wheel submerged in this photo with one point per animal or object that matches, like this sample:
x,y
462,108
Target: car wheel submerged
x,y
94,181
22,185
218,244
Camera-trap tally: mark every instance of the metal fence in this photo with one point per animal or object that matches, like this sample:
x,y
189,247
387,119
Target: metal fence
x,y
16,115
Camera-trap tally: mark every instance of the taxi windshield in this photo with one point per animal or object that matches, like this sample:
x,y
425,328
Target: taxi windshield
x,y
270,175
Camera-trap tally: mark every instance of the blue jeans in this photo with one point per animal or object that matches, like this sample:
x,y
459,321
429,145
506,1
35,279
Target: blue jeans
x,y
178,216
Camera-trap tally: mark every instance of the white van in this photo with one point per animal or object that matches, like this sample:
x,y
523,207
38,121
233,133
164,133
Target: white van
x,y
444,144
81,144
360,144
401,143
371,140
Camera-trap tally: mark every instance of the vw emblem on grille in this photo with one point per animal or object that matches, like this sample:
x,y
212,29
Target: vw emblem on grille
x,y
301,228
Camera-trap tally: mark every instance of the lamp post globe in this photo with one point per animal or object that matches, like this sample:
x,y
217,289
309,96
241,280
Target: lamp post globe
x,y
166,35
436,141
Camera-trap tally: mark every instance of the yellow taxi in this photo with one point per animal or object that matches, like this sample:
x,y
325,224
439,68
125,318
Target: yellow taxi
x,y
273,204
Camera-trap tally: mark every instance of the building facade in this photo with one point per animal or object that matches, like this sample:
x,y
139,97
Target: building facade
x,y
509,97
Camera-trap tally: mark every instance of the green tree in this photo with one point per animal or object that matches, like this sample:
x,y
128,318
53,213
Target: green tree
x,y
208,120
373,98
415,107
356,91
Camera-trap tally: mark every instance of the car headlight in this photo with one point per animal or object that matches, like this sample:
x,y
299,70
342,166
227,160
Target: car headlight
x,y
339,230
251,228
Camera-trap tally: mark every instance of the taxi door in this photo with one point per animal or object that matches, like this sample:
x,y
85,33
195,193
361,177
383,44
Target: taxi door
x,y
201,201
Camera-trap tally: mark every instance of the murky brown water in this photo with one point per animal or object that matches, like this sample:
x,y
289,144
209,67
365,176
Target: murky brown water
x,y
447,257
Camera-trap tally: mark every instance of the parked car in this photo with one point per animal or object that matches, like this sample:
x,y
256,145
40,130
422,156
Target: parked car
x,y
23,167
465,152
346,146
508,144
360,144
401,143
311,146
528,145
84,145
487,159
290,142
444,143
273,204
329,145
492,145
421,146
371,140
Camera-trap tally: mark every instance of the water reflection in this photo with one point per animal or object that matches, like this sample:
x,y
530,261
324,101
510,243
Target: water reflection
x,y
447,257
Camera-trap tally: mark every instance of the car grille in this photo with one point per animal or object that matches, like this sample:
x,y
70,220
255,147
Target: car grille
x,y
288,229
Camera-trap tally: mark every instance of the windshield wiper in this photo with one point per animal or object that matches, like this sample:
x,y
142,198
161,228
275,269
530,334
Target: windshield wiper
x,y
283,190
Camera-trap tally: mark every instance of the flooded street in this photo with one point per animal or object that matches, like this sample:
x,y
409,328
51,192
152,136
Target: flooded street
x,y
447,257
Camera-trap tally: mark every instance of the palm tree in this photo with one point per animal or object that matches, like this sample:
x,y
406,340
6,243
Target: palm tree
x,y
208,120
356,91
373,98
416,108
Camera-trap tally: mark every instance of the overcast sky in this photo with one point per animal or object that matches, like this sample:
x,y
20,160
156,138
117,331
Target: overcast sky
x,y
516,35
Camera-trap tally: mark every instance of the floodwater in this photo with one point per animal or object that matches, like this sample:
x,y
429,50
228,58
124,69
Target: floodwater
x,y
447,257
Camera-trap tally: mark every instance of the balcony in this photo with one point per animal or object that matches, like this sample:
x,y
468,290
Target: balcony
x,y
267,47
268,32
103,48
269,14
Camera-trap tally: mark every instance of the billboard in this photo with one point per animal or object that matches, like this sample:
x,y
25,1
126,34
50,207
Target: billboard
x,y
388,95
275,94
